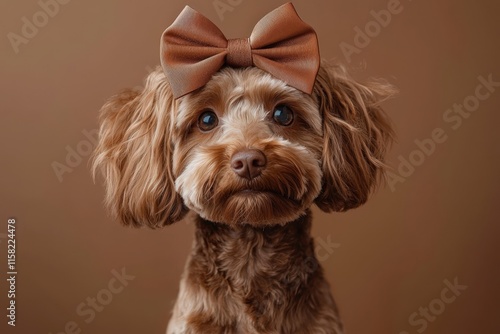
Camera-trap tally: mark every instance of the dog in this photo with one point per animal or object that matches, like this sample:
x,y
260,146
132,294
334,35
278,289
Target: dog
x,y
248,149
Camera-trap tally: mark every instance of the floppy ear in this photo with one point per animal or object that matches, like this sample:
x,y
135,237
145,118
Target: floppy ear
x,y
356,135
134,154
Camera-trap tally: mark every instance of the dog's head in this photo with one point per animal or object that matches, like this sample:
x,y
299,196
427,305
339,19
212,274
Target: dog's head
x,y
244,149
234,143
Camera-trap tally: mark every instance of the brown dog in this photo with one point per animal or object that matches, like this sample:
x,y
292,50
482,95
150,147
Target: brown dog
x,y
249,154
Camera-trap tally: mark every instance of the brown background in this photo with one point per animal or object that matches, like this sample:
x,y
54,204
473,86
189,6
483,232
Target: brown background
x,y
395,252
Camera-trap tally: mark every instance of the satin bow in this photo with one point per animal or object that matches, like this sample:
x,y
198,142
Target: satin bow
x,y
193,49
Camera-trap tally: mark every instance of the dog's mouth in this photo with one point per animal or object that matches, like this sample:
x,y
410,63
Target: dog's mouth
x,y
254,192
275,197
254,205
272,195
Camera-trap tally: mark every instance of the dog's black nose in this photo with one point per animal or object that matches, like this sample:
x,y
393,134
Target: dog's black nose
x,y
248,163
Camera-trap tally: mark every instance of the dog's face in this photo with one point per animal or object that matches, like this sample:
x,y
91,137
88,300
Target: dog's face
x,y
247,149
244,149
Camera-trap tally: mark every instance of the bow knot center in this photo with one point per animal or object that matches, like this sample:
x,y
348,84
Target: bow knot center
x,y
239,52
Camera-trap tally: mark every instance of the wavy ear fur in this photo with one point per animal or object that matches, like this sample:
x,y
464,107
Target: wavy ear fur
x,y
356,135
134,154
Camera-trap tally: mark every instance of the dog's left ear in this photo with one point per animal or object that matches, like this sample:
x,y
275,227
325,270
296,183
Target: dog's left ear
x,y
356,135
135,155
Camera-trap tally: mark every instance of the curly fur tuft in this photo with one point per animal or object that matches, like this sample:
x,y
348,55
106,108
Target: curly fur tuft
x,y
134,155
357,134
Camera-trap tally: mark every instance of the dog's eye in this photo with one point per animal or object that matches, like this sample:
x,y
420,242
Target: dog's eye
x,y
207,120
283,115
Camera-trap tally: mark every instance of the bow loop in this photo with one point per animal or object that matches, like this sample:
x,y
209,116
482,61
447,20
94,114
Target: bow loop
x,y
193,49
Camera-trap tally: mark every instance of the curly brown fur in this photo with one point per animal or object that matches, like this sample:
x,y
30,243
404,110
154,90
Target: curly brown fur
x,y
252,269
134,154
356,136
256,280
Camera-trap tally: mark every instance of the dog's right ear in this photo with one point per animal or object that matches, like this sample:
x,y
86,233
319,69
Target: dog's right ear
x,y
356,136
134,154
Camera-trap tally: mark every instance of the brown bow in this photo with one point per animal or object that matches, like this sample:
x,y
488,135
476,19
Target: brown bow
x,y
193,49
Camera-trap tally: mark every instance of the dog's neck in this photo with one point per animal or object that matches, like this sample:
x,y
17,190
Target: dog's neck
x,y
247,279
267,267
244,253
